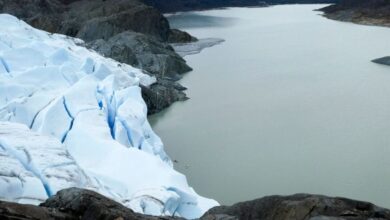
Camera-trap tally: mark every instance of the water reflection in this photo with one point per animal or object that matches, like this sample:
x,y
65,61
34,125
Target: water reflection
x,y
195,20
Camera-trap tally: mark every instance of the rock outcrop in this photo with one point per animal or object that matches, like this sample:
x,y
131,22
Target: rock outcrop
x,y
141,51
158,59
72,204
126,30
90,205
299,207
368,12
383,60
76,204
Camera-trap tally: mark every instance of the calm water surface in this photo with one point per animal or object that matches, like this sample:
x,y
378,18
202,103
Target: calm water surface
x,y
289,103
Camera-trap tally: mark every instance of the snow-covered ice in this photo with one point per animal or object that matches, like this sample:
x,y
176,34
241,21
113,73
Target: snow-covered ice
x,y
74,118
34,166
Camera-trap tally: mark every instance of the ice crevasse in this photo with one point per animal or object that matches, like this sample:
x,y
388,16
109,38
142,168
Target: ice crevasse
x,y
72,118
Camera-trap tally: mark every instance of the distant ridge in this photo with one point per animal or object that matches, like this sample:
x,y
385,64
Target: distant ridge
x,y
369,12
166,6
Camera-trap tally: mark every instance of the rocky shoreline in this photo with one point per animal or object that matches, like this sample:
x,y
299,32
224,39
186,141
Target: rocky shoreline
x,y
185,49
144,42
366,12
79,204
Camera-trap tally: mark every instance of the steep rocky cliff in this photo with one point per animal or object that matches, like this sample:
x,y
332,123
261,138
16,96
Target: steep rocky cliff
x,y
125,30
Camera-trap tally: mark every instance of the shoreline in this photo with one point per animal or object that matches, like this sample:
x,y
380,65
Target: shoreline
x,y
369,13
75,204
186,49
181,160
366,20
85,204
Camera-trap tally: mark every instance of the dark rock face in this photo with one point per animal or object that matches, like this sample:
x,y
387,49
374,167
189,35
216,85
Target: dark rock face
x,y
383,60
39,13
140,51
176,35
90,205
81,204
105,18
125,30
162,94
108,18
299,207
14,211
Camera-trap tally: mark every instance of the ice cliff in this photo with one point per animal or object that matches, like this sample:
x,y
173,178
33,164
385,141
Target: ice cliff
x,y
70,117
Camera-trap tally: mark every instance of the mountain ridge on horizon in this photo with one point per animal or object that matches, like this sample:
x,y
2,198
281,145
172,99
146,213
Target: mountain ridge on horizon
x,y
167,6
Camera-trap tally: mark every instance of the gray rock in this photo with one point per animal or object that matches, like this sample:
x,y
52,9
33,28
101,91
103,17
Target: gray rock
x,y
383,60
178,36
111,17
44,14
301,207
162,94
90,19
72,204
156,58
86,204
15,211
81,204
140,51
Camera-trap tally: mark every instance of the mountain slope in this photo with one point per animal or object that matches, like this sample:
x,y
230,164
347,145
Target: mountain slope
x,y
93,106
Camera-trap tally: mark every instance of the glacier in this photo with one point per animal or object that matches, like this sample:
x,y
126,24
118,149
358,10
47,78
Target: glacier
x,y
72,118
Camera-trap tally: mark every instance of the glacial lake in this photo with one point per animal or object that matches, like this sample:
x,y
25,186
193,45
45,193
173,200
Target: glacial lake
x,y
290,103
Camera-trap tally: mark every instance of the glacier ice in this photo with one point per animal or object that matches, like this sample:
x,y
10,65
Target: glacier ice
x,y
71,117
34,166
